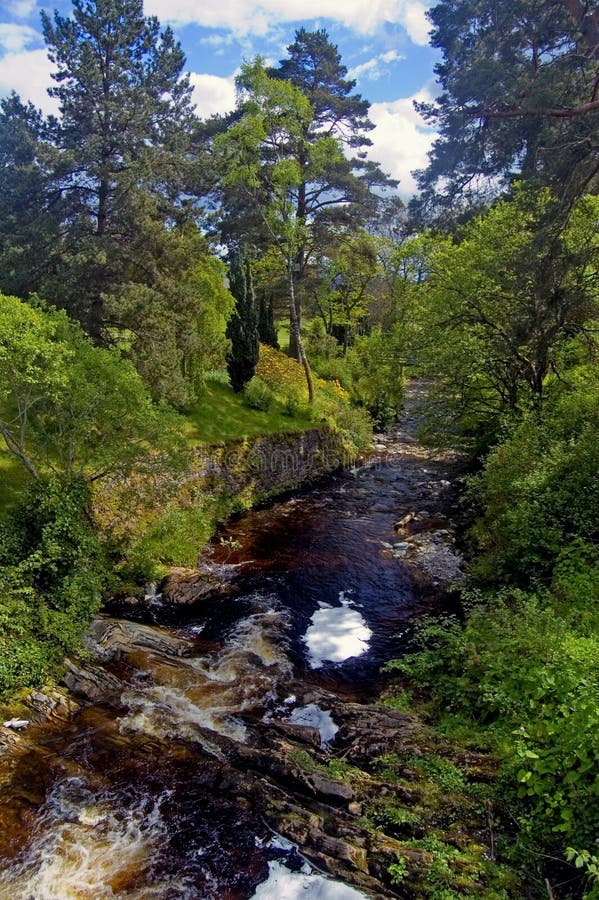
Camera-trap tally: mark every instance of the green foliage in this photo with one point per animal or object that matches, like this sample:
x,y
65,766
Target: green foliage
x,y
441,771
505,305
121,137
394,819
398,871
173,328
377,376
267,329
508,74
220,415
242,327
452,873
257,394
400,700
321,346
525,665
71,407
540,492
582,859
51,574
349,270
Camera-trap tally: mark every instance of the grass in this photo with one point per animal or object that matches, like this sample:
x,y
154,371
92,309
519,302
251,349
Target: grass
x,y
220,415
13,480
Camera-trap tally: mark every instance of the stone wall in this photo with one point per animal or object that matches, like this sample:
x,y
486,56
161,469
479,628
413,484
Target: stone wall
x,y
270,464
244,472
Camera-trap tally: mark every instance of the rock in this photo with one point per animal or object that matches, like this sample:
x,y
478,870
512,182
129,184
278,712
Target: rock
x,y
354,809
182,588
16,724
304,734
409,517
51,704
91,682
119,635
338,851
326,787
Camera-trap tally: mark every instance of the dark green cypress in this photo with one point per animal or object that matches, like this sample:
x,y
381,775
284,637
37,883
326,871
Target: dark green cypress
x,y
267,330
242,327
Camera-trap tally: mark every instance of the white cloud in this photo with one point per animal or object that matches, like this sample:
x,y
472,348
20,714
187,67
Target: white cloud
x,y
28,73
391,56
15,38
246,16
372,68
369,68
401,139
21,9
212,94
217,40
416,23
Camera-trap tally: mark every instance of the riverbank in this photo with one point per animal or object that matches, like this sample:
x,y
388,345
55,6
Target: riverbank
x,y
163,522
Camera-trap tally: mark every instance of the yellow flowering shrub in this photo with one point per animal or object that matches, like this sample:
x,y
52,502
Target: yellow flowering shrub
x,y
282,374
286,379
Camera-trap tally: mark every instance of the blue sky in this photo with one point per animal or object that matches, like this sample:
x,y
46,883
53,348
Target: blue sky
x,y
383,43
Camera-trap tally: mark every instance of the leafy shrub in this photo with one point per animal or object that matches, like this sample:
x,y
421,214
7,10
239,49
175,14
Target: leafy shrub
x,y
456,873
334,369
51,574
292,400
521,665
318,343
377,378
539,491
257,394
279,372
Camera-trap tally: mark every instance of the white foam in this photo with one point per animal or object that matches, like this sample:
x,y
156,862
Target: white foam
x,y
282,884
315,717
336,633
85,846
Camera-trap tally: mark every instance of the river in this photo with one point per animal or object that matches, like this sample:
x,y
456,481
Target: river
x,y
191,718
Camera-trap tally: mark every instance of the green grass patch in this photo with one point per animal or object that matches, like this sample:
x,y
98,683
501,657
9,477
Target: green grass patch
x,y
221,415
13,480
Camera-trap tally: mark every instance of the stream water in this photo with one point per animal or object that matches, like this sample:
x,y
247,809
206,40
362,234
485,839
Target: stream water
x,y
134,797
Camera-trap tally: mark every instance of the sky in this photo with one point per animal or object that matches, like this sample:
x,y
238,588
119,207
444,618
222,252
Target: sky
x,y
383,43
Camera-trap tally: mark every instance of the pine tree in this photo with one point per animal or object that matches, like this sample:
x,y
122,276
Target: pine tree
x,y
30,206
341,193
518,101
125,113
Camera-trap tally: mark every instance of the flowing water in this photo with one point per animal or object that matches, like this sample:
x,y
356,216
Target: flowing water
x,y
134,796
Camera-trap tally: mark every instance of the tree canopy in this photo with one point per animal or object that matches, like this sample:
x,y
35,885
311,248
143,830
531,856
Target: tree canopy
x,y
519,99
69,407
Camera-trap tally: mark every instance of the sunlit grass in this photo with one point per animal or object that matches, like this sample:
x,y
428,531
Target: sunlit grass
x,y
13,479
220,415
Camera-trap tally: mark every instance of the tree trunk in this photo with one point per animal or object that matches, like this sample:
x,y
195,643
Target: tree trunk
x,y
295,333
294,348
295,342
96,310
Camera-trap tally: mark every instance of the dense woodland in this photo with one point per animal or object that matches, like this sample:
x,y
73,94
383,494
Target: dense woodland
x,y
153,264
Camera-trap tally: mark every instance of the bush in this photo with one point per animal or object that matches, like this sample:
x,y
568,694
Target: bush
x,y
377,378
257,394
51,575
318,343
539,491
527,667
280,373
